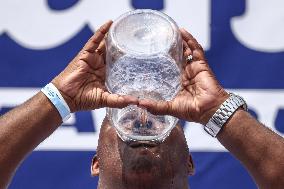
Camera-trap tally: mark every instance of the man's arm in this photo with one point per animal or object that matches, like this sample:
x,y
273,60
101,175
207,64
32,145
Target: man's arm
x,y
82,85
22,129
259,149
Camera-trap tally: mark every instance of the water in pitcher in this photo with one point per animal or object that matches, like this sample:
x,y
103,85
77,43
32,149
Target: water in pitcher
x,y
156,78
144,77
144,53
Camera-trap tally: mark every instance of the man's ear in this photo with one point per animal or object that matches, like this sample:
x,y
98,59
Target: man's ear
x,y
190,166
95,170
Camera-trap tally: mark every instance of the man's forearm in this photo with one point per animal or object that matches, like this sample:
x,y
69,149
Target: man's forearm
x,y
257,147
22,129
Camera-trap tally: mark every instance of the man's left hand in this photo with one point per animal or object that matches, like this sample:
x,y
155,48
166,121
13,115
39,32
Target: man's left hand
x,y
82,83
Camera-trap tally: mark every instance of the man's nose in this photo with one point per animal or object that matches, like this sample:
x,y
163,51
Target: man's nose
x,y
138,124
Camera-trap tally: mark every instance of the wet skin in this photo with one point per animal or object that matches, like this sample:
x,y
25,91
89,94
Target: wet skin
x,y
138,165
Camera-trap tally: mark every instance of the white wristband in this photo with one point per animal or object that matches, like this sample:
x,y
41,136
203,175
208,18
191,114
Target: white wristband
x,y
57,100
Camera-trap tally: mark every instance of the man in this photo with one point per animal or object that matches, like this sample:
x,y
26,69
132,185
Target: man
x,y
139,165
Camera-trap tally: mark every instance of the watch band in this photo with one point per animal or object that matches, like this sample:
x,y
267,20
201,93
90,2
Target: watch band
x,y
225,111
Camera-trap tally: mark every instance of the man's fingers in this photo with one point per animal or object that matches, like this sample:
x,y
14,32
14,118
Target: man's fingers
x,y
186,50
96,39
101,50
92,59
195,68
193,44
118,101
186,35
196,48
156,107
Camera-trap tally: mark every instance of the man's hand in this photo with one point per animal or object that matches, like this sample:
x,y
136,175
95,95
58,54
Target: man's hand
x,y
82,83
200,95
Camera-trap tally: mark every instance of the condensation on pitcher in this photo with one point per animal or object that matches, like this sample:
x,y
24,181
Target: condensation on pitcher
x,y
161,75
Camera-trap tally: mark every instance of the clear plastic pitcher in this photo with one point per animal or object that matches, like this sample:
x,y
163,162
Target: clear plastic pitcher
x,y
144,55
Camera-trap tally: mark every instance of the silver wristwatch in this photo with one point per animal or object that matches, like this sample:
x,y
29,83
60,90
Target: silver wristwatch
x,y
224,112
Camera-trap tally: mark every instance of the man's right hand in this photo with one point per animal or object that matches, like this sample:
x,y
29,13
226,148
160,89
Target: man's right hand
x,y
200,95
82,83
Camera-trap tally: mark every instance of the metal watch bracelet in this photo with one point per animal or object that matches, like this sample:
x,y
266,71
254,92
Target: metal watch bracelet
x,y
222,115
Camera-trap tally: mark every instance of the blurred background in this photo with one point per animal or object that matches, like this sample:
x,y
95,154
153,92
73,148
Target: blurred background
x,y
244,44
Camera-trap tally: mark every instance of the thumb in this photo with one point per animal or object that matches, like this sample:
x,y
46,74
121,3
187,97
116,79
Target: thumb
x,y
157,107
118,101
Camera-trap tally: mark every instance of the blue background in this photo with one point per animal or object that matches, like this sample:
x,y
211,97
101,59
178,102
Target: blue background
x,y
234,65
